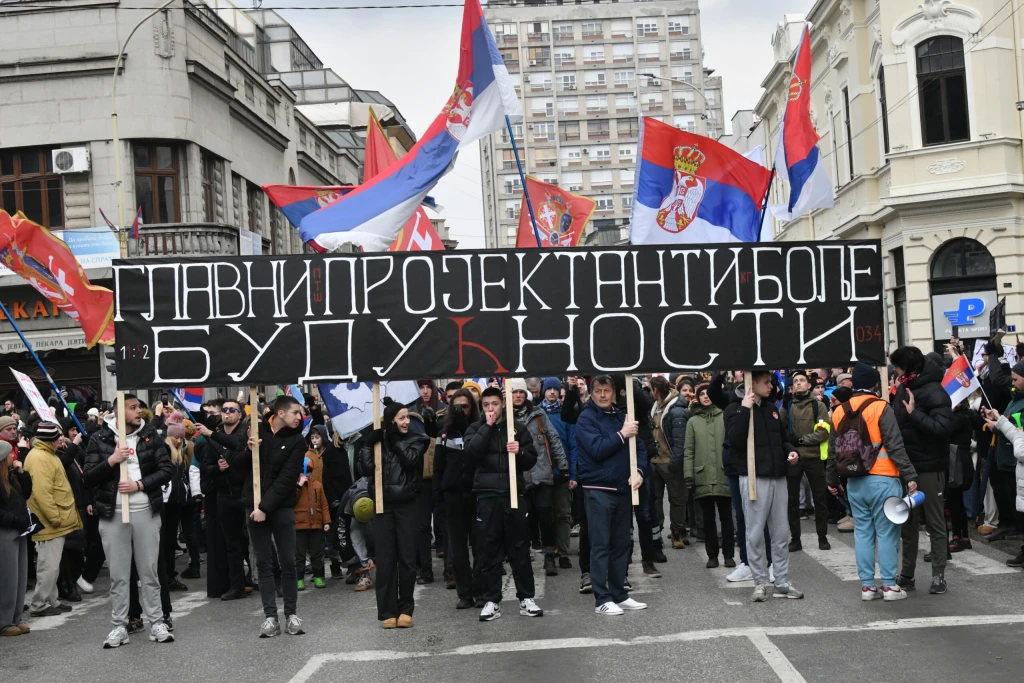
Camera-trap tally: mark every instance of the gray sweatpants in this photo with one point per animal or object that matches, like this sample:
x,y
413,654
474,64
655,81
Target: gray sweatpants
x,y
772,509
143,534
13,577
48,555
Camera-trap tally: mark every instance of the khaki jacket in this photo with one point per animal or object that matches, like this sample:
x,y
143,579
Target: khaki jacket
x,y
52,499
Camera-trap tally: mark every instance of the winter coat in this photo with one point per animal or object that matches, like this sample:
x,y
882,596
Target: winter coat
x,y
14,505
550,453
487,446
337,474
1005,455
52,499
154,462
603,452
401,460
702,460
996,384
71,459
964,424
221,445
312,510
723,396
669,418
884,430
926,431
453,467
771,443
801,419
1007,428
281,455
566,434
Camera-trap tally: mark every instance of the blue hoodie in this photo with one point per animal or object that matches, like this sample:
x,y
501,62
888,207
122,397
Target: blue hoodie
x,y
603,455
566,434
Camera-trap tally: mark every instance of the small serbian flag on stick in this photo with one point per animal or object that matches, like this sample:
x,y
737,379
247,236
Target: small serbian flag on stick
x,y
561,216
135,223
192,399
960,381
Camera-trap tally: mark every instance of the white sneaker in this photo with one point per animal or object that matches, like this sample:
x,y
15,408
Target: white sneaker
x,y
893,593
84,585
271,627
294,627
741,573
771,574
490,612
631,604
609,609
116,638
869,593
160,634
529,608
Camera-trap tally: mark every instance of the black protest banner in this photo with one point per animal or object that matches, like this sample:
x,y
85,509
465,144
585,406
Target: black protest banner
x,y
335,317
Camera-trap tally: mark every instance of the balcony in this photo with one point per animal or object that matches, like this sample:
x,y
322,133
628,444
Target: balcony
x,y
538,37
506,38
681,56
187,239
563,36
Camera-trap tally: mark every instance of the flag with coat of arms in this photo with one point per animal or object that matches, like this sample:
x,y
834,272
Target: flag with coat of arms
x,y
960,381
561,216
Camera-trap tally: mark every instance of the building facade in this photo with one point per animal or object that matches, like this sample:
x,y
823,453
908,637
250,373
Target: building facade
x,y
919,108
208,111
585,73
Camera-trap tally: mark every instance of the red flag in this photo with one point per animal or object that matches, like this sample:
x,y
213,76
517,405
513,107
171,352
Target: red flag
x,y
135,223
32,252
561,216
418,233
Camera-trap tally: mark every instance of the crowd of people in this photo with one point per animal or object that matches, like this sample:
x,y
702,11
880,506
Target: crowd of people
x,y
828,444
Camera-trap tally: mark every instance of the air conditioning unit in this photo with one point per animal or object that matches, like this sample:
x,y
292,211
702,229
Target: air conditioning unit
x,y
71,160
526,77
533,62
575,188
572,87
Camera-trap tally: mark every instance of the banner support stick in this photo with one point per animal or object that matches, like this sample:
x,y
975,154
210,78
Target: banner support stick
x,y
513,486
378,467
522,177
764,205
630,410
122,442
751,464
254,433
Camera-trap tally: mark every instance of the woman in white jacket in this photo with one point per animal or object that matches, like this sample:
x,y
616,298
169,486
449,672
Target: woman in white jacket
x,y
1015,434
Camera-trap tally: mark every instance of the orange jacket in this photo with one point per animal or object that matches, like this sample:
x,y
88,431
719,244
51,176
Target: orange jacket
x,y
312,510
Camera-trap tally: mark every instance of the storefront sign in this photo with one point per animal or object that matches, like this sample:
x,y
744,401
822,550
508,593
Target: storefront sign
x,y
967,311
93,247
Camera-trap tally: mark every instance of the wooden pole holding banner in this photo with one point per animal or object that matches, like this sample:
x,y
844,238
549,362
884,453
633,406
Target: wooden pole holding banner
x,y
122,442
751,464
630,410
883,375
513,486
378,468
254,434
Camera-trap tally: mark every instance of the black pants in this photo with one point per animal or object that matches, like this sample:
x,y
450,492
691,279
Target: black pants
x,y
644,522
72,559
309,541
957,513
424,514
503,533
580,513
396,533
94,555
217,582
231,518
539,510
170,518
724,505
189,517
815,471
279,526
460,512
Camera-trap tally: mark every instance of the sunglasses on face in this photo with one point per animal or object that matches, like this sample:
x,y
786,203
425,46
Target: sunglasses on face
x,y
230,410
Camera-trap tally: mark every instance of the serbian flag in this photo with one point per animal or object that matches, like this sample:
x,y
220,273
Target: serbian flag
x,y
373,213
960,381
31,251
191,398
797,157
561,216
135,223
692,189
298,201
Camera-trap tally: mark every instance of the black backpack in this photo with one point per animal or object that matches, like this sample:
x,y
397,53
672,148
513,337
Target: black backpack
x,y
855,453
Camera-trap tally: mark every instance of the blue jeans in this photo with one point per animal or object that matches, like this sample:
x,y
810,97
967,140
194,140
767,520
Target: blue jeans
x,y
609,521
741,525
867,496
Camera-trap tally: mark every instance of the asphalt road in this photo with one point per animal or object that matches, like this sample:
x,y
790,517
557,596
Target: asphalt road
x,y
698,627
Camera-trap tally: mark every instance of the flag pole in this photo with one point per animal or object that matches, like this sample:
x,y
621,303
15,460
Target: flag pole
x,y
764,204
522,177
177,399
10,319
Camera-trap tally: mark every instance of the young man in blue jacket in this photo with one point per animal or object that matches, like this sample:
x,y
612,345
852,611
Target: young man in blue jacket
x,y
603,472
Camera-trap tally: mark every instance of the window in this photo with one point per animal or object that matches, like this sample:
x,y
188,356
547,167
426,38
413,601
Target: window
x,y
712,96
545,156
648,52
512,184
605,203
517,130
597,104
601,153
653,100
687,122
601,178
627,201
156,182
594,79
622,52
572,180
626,176
626,151
564,55
678,25
543,131
505,33
685,99
566,81
625,102
28,184
682,73
593,53
680,49
511,208
849,132
627,128
568,105
625,79
250,92
236,195
206,170
562,31
962,258
508,159
254,202
302,137
537,30
568,130
597,129
885,112
592,29
540,82
542,106
622,28
271,110
942,87
646,27
900,296
571,154
549,177
510,57
539,56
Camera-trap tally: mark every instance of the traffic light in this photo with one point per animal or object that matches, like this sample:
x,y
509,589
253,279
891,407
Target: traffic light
x,y
111,355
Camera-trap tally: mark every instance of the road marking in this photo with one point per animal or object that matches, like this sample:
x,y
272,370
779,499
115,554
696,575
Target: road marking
x,y
970,561
78,609
732,603
721,572
779,663
841,561
315,663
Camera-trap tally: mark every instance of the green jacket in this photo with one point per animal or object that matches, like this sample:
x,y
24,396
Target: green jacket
x,y
805,417
702,454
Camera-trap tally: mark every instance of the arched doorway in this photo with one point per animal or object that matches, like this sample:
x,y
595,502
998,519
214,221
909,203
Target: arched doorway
x,y
962,278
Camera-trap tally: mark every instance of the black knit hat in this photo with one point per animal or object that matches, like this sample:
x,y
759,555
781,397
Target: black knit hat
x,y
48,431
865,377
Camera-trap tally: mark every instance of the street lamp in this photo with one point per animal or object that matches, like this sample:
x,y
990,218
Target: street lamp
x,y
677,80
122,236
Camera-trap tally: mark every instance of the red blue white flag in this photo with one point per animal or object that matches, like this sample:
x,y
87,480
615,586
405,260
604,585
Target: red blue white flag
x,y
960,381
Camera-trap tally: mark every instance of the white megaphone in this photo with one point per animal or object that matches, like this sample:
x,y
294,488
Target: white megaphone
x,y
897,510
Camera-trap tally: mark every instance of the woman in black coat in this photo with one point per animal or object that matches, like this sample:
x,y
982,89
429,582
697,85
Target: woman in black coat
x,y
15,489
394,530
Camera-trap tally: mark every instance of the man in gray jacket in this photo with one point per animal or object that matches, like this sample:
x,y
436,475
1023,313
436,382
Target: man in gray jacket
x,y
540,480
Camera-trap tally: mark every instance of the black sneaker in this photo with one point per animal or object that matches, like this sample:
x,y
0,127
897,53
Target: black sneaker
x,y
64,607
233,595
48,611
938,586
135,625
928,557
564,562
1018,561
425,579
549,566
823,543
905,583
659,556
191,573
712,563
464,603
795,546
585,586
730,563
177,586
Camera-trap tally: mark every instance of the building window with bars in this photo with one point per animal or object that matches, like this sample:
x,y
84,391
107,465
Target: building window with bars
x,y
156,182
28,184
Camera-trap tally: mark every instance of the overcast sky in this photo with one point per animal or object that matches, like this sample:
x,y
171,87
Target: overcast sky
x,y
411,56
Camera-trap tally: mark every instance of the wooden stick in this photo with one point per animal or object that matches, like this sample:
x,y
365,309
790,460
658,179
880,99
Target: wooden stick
x,y
378,468
630,410
513,486
254,432
122,442
883,374
751,465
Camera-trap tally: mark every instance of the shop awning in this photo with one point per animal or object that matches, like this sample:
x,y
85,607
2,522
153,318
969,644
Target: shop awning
x,y
48,340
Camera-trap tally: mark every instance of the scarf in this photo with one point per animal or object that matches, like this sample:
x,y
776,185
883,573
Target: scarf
x,y
551,408
910,376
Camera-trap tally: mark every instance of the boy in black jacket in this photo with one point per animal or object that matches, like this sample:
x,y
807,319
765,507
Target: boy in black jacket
x,y
282,448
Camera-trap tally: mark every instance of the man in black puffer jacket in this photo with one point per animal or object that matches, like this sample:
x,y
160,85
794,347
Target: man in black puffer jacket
x,y
925,416
503,531
149,468
282,449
